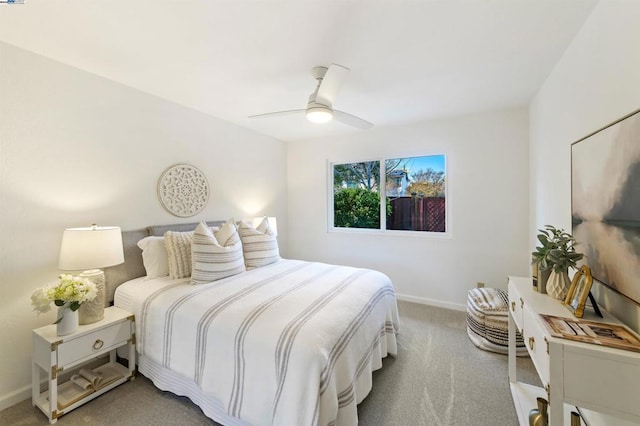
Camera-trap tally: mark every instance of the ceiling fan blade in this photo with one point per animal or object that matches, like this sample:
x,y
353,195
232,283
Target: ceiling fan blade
x,y
272,114
331,83
351,120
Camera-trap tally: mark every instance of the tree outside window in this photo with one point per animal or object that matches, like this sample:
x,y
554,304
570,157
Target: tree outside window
x,y
356,195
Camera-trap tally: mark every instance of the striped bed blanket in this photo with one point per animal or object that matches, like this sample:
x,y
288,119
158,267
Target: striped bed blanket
x,y
292,343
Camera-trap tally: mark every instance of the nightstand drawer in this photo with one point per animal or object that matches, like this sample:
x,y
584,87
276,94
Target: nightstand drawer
x,y
93,343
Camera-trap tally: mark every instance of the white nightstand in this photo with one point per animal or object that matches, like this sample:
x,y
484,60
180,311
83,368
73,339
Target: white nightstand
x,y
57,354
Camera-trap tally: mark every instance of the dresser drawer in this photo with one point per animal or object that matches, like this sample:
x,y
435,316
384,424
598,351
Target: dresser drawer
x,y
93,343
610,378
534,338
516,305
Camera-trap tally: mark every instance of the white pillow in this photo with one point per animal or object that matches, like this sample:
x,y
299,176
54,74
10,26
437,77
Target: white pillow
x,y
154,256
259,245
215,255
178,246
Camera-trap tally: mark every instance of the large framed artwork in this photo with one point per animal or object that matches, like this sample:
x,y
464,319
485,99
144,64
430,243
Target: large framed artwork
x,y
605,203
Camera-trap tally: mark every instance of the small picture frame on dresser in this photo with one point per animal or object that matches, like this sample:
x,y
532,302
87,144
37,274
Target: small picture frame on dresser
x,y
579,291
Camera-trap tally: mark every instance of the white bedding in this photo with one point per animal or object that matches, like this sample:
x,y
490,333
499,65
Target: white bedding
x,y
292,343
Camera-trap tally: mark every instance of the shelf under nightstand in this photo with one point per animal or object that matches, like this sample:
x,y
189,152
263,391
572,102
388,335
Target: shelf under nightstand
x,y
56,355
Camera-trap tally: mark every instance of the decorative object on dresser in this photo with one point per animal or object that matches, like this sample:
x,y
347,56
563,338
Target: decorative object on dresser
x,y
598,333
541,265
89,249
558,284
605,203
538,416
68,295
575,419
602,381
579,292
183,190
540,277
556,253
89,343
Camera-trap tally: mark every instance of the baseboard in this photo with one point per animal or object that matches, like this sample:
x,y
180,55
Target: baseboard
x,y
13,398
431,302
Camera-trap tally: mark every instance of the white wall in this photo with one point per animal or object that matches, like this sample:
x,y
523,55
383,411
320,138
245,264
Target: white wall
x,y
596,82
487,158
77,149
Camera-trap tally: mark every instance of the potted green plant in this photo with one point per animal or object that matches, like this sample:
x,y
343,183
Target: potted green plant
x,y
555,255
539,260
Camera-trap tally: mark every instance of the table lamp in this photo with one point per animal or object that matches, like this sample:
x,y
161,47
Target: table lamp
x,y
88,249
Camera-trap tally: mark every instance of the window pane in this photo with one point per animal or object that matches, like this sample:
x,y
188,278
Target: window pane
x,y
415,188
356,195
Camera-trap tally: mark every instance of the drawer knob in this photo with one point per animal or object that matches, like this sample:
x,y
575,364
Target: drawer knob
x,y
513,306
531,342
98,344
521,303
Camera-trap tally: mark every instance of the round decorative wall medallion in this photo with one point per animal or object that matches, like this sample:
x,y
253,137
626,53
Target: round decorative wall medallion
x,y
183,190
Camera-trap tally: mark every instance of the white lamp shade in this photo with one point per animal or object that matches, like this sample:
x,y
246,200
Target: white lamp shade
x,y
91,248
273,223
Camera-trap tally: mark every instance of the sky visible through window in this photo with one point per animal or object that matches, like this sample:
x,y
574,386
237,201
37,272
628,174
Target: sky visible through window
x,y
435,162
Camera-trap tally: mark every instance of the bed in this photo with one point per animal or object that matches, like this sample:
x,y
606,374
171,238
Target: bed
x,y
287,343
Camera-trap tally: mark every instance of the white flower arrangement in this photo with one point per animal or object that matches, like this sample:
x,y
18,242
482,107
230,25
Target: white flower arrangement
x,y
71,290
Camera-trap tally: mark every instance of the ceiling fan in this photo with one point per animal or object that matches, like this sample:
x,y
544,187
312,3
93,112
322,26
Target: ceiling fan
x,y
320,105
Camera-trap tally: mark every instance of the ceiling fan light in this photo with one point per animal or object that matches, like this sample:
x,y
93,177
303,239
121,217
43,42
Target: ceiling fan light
x,y
319,115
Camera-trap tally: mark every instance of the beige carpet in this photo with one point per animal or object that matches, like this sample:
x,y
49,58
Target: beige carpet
x,y
439,378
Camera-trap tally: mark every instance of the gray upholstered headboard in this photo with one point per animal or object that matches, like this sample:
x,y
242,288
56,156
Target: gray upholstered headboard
x,y
133,266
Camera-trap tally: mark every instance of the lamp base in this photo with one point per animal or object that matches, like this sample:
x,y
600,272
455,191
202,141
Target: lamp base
x,y
93,311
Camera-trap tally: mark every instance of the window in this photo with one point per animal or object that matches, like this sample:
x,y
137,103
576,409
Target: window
x,y
356,195
414,197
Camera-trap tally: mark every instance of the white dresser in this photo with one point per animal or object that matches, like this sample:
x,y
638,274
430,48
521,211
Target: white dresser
x,y
603,382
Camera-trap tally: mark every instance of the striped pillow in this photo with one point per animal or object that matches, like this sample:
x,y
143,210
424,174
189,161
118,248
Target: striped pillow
x,y
260,245
215,256
178,245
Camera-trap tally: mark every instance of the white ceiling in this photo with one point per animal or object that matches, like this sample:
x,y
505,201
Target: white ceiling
x,y
410,60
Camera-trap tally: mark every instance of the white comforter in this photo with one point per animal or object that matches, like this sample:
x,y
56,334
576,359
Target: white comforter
x,y
292,343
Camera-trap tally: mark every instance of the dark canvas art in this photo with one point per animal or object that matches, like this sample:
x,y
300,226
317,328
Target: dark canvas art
x,y
605,204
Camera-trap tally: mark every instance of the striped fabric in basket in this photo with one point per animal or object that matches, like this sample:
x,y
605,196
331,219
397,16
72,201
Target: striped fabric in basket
x,y
487,320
